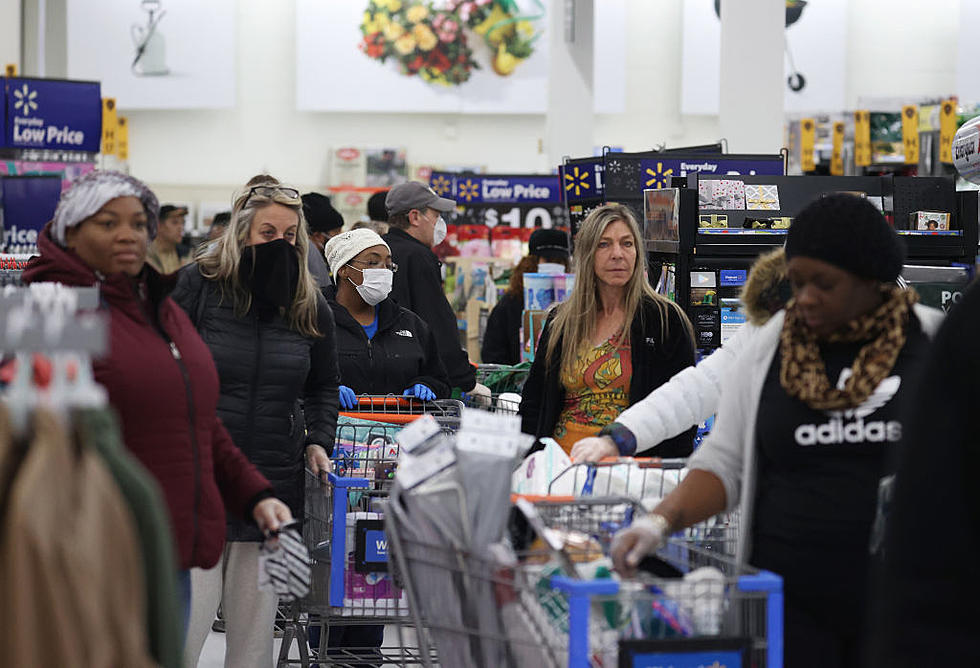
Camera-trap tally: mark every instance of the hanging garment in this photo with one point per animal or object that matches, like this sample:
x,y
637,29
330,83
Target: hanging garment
x,y
70,565
98,429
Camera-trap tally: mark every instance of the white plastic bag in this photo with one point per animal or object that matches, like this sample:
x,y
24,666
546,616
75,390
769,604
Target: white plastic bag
x,y
536,473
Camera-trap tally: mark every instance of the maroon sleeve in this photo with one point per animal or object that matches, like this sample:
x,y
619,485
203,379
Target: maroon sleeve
x,y
238,479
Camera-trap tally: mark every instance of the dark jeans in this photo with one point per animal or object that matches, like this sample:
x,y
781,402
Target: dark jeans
x,y
367,638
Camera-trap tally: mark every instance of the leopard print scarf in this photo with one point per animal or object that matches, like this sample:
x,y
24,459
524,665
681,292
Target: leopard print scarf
x,y
803,374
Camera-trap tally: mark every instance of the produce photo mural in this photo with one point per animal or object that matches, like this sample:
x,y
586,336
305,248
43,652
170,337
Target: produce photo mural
x,y
434,43
468,56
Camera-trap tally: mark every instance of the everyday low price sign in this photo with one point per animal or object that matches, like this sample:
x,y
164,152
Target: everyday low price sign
x,y
509,200
52,114
657,172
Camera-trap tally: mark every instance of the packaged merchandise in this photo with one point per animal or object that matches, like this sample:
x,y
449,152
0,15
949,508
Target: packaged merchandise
x,y
539,291
721,194
929,220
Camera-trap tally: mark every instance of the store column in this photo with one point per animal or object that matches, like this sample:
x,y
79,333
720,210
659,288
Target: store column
x,y
570,119
753,39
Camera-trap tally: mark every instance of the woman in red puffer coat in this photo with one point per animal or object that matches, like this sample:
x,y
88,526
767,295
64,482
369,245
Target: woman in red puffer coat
x,y
158,373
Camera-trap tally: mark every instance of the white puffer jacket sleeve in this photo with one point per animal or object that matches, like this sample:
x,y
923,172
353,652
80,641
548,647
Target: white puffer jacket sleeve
x,y
689,398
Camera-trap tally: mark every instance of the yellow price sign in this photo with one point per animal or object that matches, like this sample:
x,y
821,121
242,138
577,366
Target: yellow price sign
x,y
837,154
10,70
122,138
110,123
947,130
862,138
808,139
910,133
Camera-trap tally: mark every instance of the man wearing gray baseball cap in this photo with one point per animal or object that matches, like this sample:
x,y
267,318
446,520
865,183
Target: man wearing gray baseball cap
x,y
415,226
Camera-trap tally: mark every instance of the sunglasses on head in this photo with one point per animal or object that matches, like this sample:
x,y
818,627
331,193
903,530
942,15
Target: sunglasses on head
x,y
270,192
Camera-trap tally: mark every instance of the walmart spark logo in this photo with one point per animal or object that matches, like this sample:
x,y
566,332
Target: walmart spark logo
x,y
659,178
441,185
468,190
577,180
25,100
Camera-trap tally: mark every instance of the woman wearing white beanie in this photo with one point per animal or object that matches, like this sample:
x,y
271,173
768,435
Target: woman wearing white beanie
x,y
382,347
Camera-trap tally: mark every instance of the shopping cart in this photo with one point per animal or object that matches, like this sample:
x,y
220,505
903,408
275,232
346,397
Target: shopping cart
x,y
647,481
344,532
547,613
505,383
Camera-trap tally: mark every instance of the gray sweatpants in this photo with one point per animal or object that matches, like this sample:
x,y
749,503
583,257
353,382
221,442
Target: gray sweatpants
x,y
249,613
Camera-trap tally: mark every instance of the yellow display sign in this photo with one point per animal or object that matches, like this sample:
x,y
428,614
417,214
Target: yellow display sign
x,y
808,139
947,130
10,70
910,133
122,139
837,153
110,123
862,138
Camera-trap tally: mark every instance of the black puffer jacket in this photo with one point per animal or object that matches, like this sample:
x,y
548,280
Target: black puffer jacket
x,y
402,353
265,369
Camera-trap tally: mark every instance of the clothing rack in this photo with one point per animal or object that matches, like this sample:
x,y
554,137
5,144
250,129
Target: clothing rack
x,y
58,322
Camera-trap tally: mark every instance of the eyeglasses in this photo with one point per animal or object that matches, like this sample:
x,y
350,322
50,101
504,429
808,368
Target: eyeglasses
x,y
378,264
270,191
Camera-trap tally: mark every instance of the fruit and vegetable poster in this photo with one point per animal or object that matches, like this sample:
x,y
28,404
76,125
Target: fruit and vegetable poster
x,y
459,56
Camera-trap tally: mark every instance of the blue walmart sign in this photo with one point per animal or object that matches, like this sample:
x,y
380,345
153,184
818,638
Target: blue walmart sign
x,y
468,189
52,114
657,172
582,180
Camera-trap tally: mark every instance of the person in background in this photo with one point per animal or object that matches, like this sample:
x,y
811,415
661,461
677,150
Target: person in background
x,y
324,222
415,226
166,253
158,373
613,342
502,338
271,334
810,412
218,225
377,212
692,396
382,349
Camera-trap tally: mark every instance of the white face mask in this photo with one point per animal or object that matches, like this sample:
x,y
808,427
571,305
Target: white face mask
x,y
375,286
440,232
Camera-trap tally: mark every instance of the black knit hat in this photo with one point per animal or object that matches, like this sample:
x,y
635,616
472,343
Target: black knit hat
x,y
320,214
847,232
549,244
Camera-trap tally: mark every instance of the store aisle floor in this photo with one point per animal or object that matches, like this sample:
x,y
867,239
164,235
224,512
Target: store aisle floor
x,y
213,654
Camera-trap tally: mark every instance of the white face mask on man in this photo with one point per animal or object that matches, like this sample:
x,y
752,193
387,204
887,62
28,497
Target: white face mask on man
x,y
375,286
440,232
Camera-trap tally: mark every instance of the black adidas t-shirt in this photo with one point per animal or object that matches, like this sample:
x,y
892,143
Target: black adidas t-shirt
x,y
819,471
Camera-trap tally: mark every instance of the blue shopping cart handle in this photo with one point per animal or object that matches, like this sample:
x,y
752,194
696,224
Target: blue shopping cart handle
x,y
341,481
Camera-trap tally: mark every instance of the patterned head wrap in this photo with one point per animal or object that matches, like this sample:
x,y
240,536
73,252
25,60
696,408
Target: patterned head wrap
x,y
91,192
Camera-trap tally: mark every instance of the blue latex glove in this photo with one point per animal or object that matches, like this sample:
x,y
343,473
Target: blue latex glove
x,y
421,391
348,399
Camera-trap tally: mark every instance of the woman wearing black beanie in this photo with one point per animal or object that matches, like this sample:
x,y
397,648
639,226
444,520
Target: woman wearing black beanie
x,y
809,417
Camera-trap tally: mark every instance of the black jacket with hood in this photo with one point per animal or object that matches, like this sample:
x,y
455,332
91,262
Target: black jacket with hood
x,y
402,353
417,286
266,369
